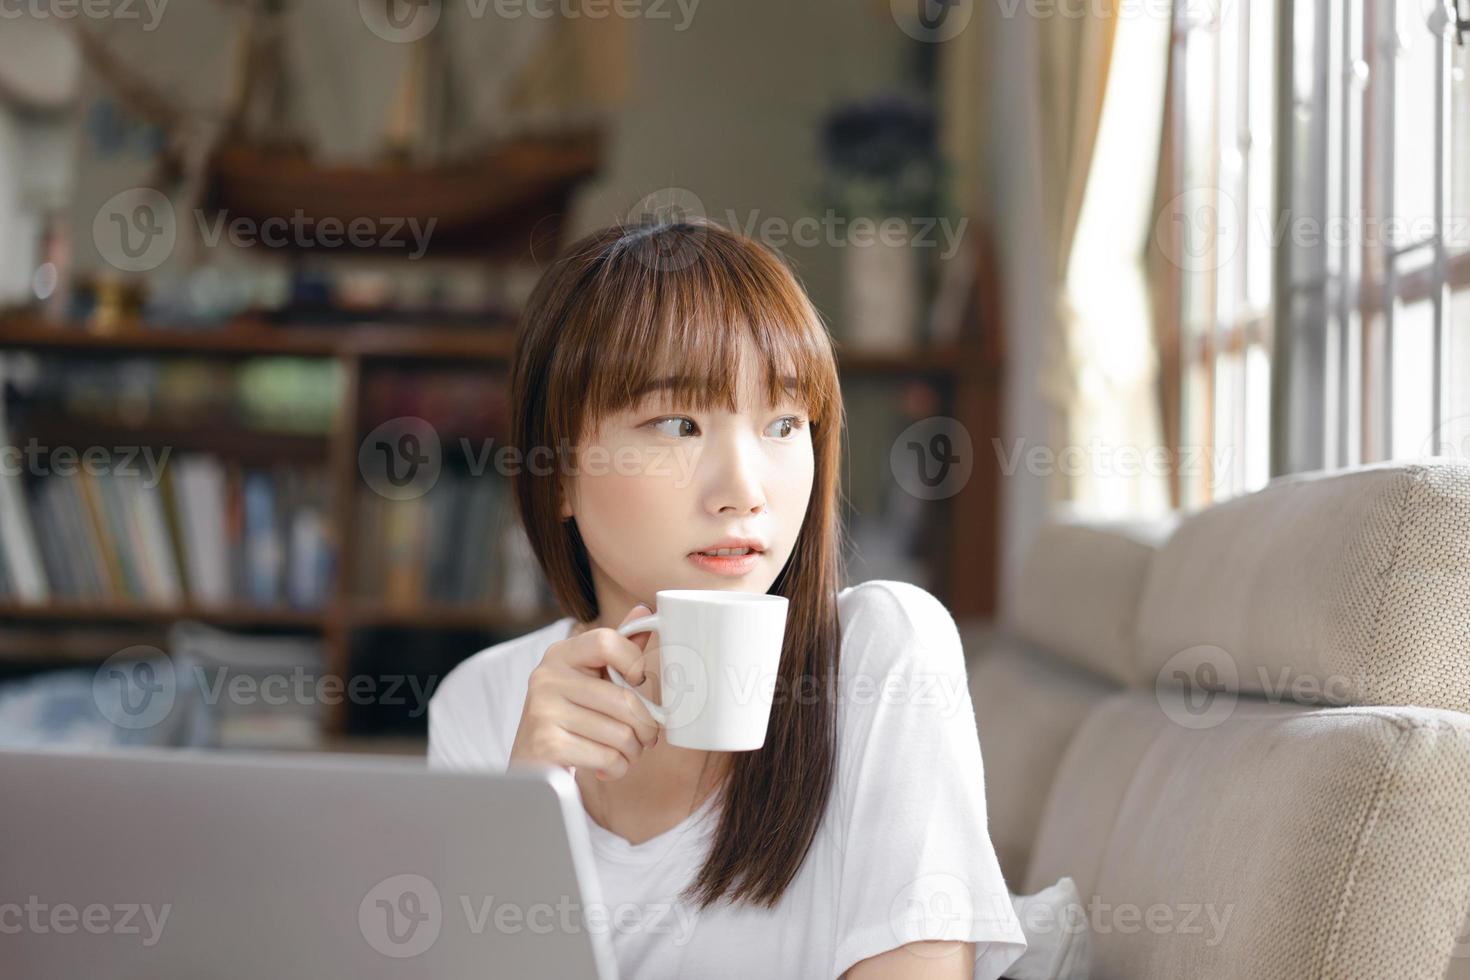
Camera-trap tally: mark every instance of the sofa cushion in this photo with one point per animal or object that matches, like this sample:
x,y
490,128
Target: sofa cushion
x,y
1280,841
1028,704
1079,589
1345,588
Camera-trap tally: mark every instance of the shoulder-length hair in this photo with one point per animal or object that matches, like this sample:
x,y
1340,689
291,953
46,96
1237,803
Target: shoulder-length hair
x,y
621,308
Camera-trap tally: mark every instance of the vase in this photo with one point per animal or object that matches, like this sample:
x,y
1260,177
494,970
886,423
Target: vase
x,y
880,296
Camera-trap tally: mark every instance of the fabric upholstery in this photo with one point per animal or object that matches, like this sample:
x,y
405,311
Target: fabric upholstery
x,y
1028,704
1079,591
1345,588
1283,841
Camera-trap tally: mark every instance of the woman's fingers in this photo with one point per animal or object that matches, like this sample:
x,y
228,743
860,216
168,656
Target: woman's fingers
x,y
575,715
603,647
577,749
609,731
615,702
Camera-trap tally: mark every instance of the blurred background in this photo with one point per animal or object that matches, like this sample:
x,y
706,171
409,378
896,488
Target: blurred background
x,y
261,263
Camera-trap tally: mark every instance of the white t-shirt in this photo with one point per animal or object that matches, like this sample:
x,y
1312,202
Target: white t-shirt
x,y
903,853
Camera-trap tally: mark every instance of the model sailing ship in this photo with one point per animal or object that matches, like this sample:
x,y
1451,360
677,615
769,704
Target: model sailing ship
x,y
494,183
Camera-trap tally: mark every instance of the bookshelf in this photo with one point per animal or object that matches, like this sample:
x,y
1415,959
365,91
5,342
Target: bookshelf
x,y
966,373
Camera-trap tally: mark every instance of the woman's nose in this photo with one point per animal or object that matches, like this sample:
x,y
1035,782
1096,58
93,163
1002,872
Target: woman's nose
x,y
735,476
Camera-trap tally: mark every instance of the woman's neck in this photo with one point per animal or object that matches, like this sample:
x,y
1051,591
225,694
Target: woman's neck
x,y
662,788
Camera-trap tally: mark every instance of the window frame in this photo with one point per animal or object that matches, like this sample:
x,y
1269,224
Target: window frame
x,y
1333,375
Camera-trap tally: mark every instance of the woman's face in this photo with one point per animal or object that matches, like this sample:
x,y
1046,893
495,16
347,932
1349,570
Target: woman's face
x,y
660,482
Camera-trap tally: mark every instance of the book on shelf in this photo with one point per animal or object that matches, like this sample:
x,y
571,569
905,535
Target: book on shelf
x,y
456,545
262,692
208,532
24,575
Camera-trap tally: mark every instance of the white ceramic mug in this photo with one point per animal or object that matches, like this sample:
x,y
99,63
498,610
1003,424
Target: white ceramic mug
x,y
720,653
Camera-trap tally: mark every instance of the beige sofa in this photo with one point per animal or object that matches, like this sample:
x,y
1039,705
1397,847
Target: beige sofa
x,y
1244,733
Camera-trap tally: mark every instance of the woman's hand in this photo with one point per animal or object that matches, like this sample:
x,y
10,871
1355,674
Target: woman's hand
x,y
575,716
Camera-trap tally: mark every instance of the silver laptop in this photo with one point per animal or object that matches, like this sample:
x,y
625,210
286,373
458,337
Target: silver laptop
x,y
161,863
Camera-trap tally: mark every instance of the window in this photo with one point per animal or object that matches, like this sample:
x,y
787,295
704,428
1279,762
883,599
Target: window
x,y
1317,164
1374,278
1218,170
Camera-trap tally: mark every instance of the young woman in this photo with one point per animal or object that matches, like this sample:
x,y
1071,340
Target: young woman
x,y
675,394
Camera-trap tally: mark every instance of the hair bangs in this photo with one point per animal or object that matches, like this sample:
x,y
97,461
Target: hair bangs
x,y
678,334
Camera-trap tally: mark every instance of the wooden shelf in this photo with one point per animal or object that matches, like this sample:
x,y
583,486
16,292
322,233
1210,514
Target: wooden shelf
x,y
249,337
91,643
358,616
96,612
968,370
226,440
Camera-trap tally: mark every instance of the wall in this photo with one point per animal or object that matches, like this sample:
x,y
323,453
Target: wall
x,y
728,108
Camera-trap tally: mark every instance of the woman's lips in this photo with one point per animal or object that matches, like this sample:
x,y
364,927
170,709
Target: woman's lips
x,y
733,565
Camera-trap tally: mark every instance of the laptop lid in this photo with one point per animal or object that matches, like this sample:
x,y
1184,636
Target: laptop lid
x,y
159,863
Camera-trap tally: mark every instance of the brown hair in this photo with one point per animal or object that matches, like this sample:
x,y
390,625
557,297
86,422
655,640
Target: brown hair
x,y
621,308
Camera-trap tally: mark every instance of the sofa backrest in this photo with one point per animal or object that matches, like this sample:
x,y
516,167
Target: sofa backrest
x,y
1270,774
1071,647
1346,588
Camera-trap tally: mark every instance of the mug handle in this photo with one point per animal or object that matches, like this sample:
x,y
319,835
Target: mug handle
x,y
645,624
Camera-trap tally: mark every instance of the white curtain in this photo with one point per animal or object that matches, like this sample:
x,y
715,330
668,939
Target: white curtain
x,y
1118,465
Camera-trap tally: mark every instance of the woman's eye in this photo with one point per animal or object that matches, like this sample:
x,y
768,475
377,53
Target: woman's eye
x,y
680,426
788,425
678,421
